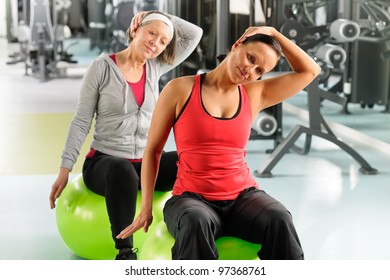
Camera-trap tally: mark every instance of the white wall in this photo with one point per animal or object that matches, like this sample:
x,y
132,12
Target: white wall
x,y
3,23
243,7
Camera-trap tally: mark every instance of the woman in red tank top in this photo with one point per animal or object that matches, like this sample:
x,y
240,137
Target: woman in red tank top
x,y
215,194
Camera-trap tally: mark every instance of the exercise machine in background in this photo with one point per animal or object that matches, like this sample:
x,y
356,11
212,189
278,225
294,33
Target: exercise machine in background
x,y
44,25
42,40
370,55
349,39
327,39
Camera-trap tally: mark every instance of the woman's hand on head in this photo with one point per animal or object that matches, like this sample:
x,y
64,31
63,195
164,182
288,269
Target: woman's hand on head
x,y
253,30
143,220
136,21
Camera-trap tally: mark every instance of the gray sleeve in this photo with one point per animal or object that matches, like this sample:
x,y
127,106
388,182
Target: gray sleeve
x,y
81,122
188,38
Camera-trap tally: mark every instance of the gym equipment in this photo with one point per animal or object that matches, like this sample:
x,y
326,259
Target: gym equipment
x,y
231,248
316,125
121,17
41,42
268,126
83,224
370,85
334,56
357,32
295,20
344,30
265,124
97,24
148,5
370,69
158,244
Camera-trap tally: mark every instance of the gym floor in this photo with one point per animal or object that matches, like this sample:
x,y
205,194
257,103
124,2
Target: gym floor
x,y
339,213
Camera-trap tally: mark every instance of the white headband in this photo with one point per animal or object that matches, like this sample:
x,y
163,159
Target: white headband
x,y
157,16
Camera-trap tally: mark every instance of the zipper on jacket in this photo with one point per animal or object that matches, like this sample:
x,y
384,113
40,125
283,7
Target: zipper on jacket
x,y
136,132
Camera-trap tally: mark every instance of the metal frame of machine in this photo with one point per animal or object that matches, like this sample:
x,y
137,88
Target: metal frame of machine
x,y
312,38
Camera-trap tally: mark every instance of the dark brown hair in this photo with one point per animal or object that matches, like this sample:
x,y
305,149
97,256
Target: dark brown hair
x,y
262,38
266,39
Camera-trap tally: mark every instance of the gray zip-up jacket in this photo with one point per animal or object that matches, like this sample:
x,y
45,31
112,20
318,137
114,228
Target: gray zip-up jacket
x,y
121,126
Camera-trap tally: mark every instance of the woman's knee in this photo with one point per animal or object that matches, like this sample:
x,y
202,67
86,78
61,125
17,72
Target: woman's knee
x,y
121,178
119,167
194,222
277,214
120,172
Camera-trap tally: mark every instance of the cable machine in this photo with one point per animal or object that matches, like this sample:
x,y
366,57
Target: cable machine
x,y
309,38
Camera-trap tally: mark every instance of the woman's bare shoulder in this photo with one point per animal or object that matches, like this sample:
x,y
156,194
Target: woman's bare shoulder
x,y
182,82
178,90
180,87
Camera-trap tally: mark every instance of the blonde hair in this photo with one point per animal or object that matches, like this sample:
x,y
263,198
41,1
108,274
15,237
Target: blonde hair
x,y
169,53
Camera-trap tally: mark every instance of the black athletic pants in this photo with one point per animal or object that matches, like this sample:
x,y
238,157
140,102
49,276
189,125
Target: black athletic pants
x,y
118,180
254,216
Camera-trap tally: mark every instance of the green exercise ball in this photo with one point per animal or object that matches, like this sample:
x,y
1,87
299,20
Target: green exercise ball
x,y
159,242
159,199
83,223
232,248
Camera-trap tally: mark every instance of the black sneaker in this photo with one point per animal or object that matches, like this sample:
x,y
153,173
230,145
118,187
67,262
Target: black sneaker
x,y
127,254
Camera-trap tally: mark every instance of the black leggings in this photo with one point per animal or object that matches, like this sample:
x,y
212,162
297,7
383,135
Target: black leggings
x,y
254,216
118,180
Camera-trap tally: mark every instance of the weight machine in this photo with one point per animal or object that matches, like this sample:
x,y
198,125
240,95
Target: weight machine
x,y
370,55
41,41
347,38
319,41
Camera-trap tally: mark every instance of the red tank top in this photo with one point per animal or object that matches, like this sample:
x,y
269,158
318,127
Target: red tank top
x,y
212,150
